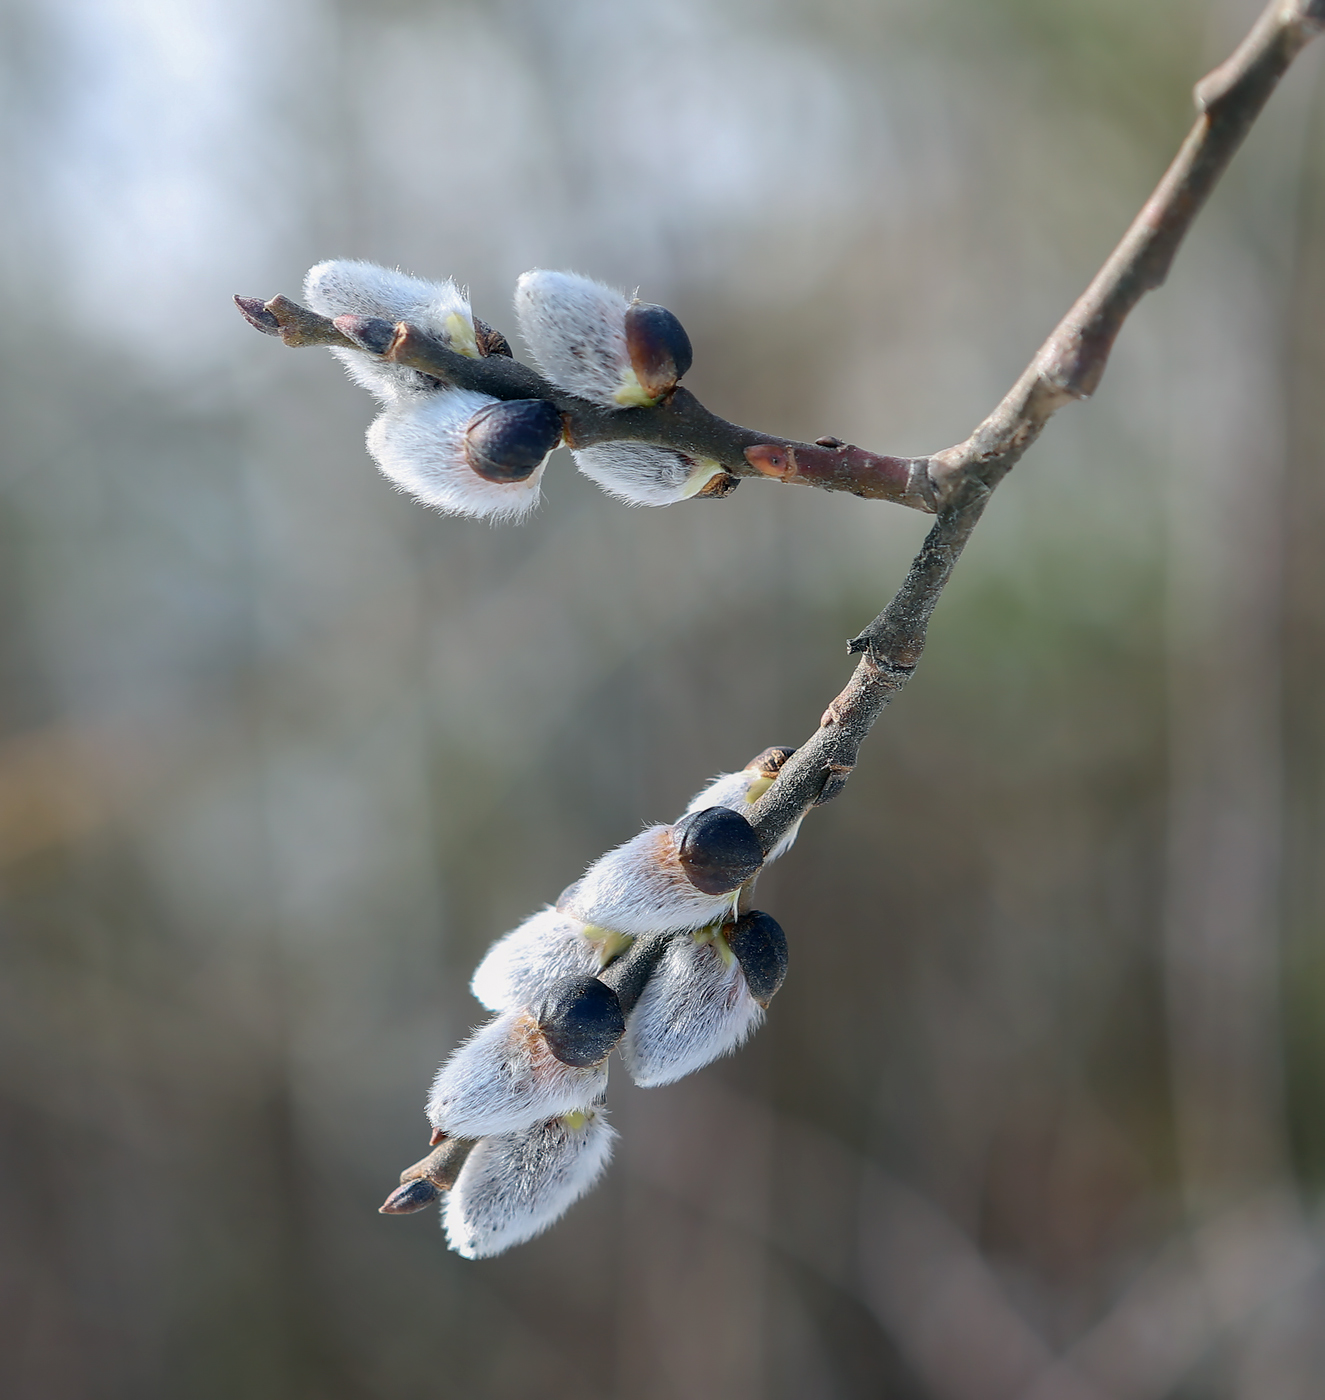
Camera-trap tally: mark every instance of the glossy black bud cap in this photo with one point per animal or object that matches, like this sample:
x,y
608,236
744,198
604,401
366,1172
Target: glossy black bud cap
x,y
581,1020
718,848
760,947
412,1196
658,346
507,441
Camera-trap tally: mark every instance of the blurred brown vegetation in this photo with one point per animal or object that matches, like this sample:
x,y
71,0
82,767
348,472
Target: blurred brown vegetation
x,y
1039,1112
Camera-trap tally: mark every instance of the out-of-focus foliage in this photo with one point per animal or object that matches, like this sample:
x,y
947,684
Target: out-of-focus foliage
x,y
282,752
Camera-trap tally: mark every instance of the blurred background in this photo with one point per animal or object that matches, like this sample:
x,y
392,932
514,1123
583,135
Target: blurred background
x,y
1038,1115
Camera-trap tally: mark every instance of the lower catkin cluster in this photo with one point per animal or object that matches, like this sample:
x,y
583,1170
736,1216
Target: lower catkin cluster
x,y
649,954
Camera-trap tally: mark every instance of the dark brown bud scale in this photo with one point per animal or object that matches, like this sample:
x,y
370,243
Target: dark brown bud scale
x,y
769,763
659,349
581,1020
506,442
490,341
760,947
718,848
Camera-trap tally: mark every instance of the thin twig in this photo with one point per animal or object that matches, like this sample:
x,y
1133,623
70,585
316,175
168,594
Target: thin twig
x,y
1068,366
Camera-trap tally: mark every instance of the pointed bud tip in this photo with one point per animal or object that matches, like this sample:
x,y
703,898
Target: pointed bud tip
x,y
719,850
411,1197
254,311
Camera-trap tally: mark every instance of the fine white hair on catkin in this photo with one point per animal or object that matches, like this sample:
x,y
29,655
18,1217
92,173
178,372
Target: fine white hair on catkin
x,y
694,1009
643,475
514,1185
347,287
504,1077
576,329
732,790
640,887
520,966
419,444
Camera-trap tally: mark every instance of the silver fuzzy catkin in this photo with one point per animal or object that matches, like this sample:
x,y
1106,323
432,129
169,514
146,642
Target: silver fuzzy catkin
x,y
514,1185
576,329
418,442
643,475
347,287
549,945
740,791
504,1077
641,887
694,1009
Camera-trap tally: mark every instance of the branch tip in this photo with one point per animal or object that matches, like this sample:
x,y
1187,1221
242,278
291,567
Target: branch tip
x,y
255,312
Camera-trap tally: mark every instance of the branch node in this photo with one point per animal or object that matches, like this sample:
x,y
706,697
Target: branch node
x,y
835,779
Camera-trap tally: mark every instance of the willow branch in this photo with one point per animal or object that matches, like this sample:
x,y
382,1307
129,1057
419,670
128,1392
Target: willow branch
x,y
1068,366
680,421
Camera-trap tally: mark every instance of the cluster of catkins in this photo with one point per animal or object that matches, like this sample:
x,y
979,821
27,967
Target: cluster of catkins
x,y
653,953
468,453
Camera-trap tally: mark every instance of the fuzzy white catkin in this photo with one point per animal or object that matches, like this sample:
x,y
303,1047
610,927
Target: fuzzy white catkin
x,y
504,1078
346,287
576,330
514,1185
732,790
419,444
641,888
520,966
643,475
694,1009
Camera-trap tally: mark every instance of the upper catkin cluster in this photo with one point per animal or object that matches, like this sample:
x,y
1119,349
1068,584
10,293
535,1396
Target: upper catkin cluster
x,y
467,453
648,953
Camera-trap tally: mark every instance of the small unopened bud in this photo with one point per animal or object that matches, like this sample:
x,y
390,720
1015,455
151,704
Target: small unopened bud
x,y
374,333
254,311
412,1196
505,1077
719,850
695,1007
509,441
658,346
760,947
644,475
581,1019
516,1184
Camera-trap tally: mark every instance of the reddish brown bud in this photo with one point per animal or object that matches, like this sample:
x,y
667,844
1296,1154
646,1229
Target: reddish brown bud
x,y
772,460
658,346
371,333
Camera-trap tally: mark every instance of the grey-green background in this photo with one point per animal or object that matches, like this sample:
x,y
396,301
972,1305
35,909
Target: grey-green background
x,y
1038,1115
